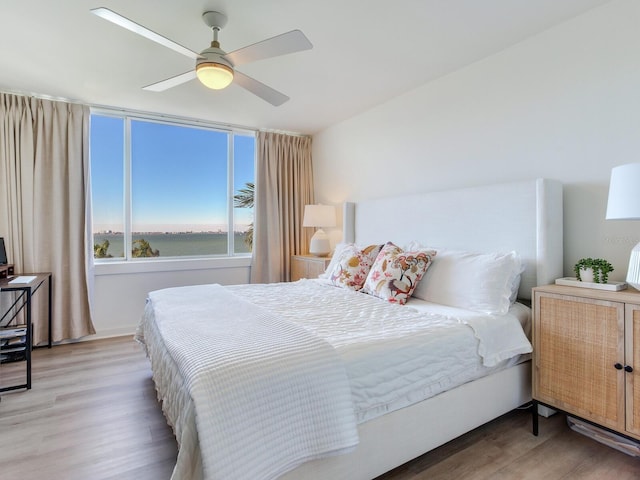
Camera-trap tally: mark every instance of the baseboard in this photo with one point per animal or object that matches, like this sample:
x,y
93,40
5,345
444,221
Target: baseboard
x,y
110,333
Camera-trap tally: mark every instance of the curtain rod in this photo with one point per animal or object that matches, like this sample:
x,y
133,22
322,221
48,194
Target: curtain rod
x,y
152,114
41,96
177,118
285,132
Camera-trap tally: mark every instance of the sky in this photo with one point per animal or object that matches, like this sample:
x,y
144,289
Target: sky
x,y
178,176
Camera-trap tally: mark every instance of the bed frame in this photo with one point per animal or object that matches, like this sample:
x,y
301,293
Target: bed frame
x,y
522,216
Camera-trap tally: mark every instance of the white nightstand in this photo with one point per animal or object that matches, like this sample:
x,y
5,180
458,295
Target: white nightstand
x,y
308,266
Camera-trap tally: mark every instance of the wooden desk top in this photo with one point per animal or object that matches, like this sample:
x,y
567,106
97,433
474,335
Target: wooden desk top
x,y
6,283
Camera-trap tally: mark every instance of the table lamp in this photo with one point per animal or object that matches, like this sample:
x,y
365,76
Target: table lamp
x,y
624,204
319,216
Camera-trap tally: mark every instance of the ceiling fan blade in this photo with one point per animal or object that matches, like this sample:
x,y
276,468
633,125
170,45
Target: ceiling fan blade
x,y
268,94
290,42
171,82
124,22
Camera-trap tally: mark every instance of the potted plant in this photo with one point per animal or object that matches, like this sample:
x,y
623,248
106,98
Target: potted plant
x,y
594,270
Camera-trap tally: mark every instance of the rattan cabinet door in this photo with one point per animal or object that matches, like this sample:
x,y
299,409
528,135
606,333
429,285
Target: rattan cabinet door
x,y
632,359
577,343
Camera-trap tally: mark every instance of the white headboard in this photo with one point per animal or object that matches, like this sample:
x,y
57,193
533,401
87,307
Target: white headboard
x,y
521,216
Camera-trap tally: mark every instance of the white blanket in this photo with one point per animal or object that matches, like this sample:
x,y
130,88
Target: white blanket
x,y
268,395
500,337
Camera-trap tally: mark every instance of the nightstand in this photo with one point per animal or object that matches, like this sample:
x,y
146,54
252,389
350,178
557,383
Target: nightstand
x,y
586,355
308,266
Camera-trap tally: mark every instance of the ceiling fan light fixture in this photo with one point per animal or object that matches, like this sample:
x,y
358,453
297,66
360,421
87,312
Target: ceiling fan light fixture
x,y
214,67
214,75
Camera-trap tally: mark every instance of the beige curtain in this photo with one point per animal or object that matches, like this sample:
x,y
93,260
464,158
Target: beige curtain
x,y
44,179
284,185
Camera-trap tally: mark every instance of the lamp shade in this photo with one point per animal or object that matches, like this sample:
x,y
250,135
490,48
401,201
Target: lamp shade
x,y
624,204
624,193
319,216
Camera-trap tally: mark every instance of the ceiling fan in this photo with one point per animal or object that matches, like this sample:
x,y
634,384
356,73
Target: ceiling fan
x,y
214,67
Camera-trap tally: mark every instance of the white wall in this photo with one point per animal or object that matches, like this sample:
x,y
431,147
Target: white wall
x,y
564,104
120,290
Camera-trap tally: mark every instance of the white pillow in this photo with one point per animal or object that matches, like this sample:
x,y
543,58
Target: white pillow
x,y
335,258
486,283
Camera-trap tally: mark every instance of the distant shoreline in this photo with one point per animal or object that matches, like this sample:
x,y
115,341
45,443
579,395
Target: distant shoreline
x,y
176,244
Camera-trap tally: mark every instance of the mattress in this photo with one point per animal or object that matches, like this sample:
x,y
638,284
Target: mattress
x,y
394,355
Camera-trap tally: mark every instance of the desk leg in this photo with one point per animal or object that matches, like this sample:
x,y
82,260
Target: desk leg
x,y
29,337
49,314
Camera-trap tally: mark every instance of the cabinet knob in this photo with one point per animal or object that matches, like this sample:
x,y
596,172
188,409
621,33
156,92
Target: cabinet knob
x,y
618,366
628,368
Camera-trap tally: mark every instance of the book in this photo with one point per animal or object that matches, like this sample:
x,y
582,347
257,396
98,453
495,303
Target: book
x,y
23,279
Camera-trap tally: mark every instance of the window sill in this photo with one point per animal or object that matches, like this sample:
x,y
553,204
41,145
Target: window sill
x,y
169,265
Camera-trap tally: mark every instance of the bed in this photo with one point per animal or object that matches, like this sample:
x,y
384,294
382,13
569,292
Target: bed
x,y
235,421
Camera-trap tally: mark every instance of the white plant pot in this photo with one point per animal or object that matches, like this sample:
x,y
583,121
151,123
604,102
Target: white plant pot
x,y
586,275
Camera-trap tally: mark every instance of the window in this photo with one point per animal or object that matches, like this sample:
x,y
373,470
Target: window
x,y
166,189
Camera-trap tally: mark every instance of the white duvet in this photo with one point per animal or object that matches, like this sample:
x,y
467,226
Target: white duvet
x,y
397,355
393,355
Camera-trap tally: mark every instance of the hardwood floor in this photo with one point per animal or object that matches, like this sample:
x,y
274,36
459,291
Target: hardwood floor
x,y
92,414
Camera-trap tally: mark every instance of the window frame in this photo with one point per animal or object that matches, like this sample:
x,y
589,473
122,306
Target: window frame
x,y
130,264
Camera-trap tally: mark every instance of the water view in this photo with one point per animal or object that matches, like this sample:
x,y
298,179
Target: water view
x,y
176,244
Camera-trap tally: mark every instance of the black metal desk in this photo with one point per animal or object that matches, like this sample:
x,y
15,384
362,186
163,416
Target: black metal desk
x,y
22,300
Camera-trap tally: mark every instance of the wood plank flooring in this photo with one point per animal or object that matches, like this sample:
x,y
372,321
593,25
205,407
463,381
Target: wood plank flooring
x,y
92,414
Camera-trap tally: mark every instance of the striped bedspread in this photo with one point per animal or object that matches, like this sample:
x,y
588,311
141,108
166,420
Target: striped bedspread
x,y
268,395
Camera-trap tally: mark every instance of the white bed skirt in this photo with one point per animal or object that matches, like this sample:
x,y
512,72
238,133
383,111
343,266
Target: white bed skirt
x,y
393,439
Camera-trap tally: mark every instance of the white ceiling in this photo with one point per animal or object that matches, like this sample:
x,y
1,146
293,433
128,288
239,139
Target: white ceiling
x,y
365,52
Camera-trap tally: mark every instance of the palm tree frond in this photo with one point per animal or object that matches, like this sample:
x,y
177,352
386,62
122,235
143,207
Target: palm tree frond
x,y
245,196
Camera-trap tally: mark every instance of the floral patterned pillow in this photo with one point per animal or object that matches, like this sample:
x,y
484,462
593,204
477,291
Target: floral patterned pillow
x,y
395,273
353,266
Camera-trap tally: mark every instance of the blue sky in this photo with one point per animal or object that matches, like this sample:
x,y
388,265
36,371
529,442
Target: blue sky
x,y
178,175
